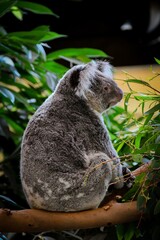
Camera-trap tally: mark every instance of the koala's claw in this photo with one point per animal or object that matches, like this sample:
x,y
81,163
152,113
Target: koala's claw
x,y
128,177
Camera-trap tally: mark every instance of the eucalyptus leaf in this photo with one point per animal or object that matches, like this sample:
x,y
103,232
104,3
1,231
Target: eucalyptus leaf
x,y
7,93
41,51
5,6
141,202
129,233
35,8
153,110
17,13
34,36
120,230
51,80
75,52
127,97
16,128
147,97
6,60
142,82
157,60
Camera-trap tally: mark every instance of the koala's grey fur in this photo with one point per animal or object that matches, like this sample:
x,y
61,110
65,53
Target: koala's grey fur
x,y
67,158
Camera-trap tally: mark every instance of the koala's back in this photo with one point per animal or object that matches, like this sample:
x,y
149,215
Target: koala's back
x,y
67,158
54,164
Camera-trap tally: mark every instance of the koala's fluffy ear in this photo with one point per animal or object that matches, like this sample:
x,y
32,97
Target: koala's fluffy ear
x,y
74,78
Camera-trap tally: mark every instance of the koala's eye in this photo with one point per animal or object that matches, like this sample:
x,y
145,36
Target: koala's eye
x,y
106,88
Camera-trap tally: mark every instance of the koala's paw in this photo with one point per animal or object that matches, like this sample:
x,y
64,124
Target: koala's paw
x,y
128,177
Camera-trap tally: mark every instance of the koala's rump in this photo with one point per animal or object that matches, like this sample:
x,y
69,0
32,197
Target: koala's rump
x,y
53,166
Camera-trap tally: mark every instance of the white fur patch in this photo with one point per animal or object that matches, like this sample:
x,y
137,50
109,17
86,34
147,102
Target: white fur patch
x,y
33,198
107,70
87,76
66,184
79,195
65,197
49,192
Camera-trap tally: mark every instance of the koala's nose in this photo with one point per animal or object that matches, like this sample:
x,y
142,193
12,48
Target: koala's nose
x,y
119,94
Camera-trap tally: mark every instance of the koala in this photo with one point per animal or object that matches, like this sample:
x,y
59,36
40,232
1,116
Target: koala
x,y
68,161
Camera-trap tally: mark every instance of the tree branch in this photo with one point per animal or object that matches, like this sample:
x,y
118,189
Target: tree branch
x,y
33,220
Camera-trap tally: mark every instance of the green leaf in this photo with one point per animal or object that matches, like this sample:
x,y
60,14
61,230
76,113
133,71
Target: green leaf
x,y
15,54
17,13
51,36
126,101
157,60
8,202
22,100
8,94
141,202
153,110
41,51
75,52
130,231
120,146
147,98
35,36
137,158
138,140
148,118
139,82
120,230
55,67
6,60
5,6
51,78
16,127
157,208
35,8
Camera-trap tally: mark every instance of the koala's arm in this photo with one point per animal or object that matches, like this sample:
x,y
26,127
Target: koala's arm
x,y
121,175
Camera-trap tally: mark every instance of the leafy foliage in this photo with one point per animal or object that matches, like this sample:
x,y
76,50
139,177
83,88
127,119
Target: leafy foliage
x,y
28,75
136,138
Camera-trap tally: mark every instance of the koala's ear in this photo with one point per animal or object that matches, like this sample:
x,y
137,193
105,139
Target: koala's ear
x,y
74,78
100,66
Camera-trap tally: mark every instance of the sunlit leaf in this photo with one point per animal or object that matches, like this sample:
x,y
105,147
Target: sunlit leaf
x,y
157,60
17,13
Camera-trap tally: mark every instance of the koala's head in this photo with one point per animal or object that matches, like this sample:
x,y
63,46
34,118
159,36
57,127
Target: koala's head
x,y
92,82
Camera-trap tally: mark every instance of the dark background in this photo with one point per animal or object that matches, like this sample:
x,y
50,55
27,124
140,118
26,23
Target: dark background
x,y
99,24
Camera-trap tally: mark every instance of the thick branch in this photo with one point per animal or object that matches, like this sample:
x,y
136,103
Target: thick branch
x,y
32,220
